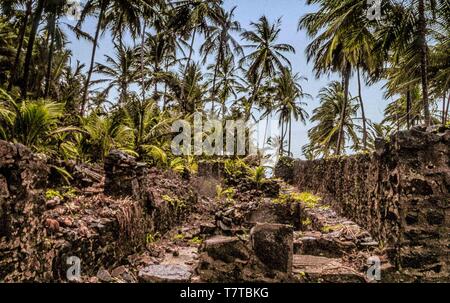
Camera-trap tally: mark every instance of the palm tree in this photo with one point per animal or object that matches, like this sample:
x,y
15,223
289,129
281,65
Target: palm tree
x,y
105,132
121,71
37,15
408,27
188,91
220,40
54,9
267,56
378,131
226,81
11,5
33,123
151,128
129,13
424,59
406,110
190,16
288,94
324,136
328,27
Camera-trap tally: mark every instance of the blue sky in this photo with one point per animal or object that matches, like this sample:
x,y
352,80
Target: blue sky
x,y
251,10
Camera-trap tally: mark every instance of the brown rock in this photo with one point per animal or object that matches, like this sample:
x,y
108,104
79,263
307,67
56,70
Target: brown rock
x,y
104,276
52,225
273,245
226,249
165,273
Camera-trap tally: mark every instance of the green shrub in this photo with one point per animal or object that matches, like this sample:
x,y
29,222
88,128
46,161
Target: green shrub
x,y
236,170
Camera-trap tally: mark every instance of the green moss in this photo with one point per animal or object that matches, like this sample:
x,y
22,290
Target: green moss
x,y
66,192
152,238
175,202
331,228
196,241
306,222
179,237
53,193
307,199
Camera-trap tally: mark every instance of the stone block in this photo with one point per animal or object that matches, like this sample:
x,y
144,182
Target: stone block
x,y
273,245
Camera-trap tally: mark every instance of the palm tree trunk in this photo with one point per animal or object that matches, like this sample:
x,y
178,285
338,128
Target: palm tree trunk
x,y
48,77
166,69
346,81
290,136
216,69
142,60
281,139
408,108
94,49
224,109
443,109
424,61
363,114
252,98
191,49
213,95
22,32
265,132
447,109
29,55
189,58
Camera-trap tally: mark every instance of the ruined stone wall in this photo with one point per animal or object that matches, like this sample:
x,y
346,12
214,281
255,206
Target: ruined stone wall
x,y
400,193
22,178
37,236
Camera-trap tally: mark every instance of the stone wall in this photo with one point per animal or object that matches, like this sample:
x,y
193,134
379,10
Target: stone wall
x,y
23,176
37,235
400,193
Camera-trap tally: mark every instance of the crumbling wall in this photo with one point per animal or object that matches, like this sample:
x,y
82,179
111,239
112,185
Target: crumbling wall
x,y
23,176
38,236
400,193
166,198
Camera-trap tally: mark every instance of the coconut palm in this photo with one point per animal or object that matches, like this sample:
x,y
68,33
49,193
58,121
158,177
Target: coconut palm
x,y
120,71
221,42
288,94
267,56
324,135
188,92
103,133
37,16
342,41
35,124
152,129
226,80
190,16
11,7
117,14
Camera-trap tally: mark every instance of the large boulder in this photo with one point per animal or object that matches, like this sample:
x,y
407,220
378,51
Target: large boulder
x,y
273,245
226,249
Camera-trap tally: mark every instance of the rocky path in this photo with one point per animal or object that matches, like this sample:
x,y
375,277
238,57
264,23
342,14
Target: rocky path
x,y
326,247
